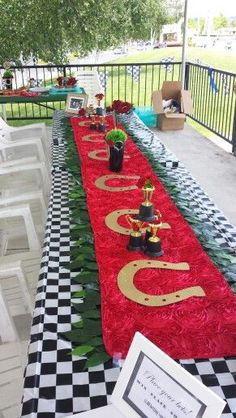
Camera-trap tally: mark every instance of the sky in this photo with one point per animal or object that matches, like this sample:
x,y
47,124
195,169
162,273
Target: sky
x,y
201,7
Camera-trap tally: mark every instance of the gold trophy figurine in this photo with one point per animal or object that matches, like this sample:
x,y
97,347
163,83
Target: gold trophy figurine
x,y
101,125
146,210
90,110
135,239
147,193
153,242
93,123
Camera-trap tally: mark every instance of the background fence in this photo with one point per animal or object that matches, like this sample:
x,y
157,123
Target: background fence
x,y
212,90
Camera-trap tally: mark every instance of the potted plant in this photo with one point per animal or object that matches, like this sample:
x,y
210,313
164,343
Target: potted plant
x,y
115,140
71,81
8,76
99,97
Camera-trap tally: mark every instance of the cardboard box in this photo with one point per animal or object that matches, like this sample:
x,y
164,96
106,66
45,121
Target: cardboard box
x,y
171,90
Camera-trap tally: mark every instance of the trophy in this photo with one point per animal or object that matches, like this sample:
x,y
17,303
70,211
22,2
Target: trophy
x,y
153,242
146,209
93,123
90,110
99,109
135,238
101,125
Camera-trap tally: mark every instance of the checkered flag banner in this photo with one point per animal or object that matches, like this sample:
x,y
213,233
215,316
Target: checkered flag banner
x,y
167,63
103,77
134,71
225,83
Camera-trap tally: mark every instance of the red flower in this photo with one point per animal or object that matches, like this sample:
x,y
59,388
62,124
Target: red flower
x,y
71,81
121,107
99,96
81,112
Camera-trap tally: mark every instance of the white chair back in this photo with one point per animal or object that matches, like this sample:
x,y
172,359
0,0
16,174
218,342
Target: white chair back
x,y
90,81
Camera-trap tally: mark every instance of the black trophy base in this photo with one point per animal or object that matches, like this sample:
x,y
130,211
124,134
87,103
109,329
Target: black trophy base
x,y
135,243
146,213
93,126
101,128
148,235
153,248
99,111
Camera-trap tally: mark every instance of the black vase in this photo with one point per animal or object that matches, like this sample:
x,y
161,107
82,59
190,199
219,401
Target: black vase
x,y
116,156
8,83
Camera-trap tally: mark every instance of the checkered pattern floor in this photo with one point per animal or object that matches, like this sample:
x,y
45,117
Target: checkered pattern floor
x,y
55,383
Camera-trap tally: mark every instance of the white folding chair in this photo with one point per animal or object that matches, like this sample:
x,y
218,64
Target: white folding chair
x,y
90,81
24,175
10,149
8,330
37,130
18,281
12,230
12,362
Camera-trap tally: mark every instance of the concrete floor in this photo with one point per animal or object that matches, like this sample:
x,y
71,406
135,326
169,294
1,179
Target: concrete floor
x,y
213,167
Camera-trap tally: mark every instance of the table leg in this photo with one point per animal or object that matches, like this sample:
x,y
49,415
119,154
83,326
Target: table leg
x,y
4,113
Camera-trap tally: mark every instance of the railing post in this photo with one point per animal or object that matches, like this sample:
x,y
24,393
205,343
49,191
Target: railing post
x,y
234,127
186,79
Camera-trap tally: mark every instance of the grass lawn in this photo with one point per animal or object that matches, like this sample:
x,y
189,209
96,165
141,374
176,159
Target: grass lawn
x,y
222,60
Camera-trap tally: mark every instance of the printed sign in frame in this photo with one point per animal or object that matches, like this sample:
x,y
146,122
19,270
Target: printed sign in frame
x,y
152,385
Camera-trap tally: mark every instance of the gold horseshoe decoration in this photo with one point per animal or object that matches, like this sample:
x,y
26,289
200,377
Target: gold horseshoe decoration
x,y
126,284
87,122
89,138
111,221
95,155
100,183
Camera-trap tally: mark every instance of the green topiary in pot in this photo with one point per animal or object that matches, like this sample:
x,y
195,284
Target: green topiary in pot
x,y
7,73
114,136
115,139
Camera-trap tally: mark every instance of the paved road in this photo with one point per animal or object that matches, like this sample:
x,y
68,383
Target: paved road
x,y
22,76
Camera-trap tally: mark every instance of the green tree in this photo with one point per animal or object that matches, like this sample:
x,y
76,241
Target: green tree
x,y
49,29
175,10
220,21
192,24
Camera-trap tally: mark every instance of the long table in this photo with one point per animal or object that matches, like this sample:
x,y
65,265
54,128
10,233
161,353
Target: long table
x,y
55,383
43,100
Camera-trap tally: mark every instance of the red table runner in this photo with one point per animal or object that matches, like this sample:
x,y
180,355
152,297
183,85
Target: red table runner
x,y
198,327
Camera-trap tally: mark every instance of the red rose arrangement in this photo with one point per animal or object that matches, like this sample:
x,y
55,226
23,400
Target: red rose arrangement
x,y
60,80
71,81
120,107
63,81
81,112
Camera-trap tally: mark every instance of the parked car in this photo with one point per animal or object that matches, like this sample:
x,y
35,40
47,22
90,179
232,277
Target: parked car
x,y
160,45
119,50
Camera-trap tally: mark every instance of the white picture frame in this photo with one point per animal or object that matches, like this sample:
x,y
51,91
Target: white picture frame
x,y
76,101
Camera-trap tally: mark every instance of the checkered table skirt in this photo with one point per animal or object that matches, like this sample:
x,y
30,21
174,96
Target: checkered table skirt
x,y
56,385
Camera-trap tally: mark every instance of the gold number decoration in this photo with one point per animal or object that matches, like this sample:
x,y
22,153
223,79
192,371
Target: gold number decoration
x,y
127,287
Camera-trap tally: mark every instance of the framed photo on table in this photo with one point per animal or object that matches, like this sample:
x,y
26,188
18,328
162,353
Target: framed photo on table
x,y
75,101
